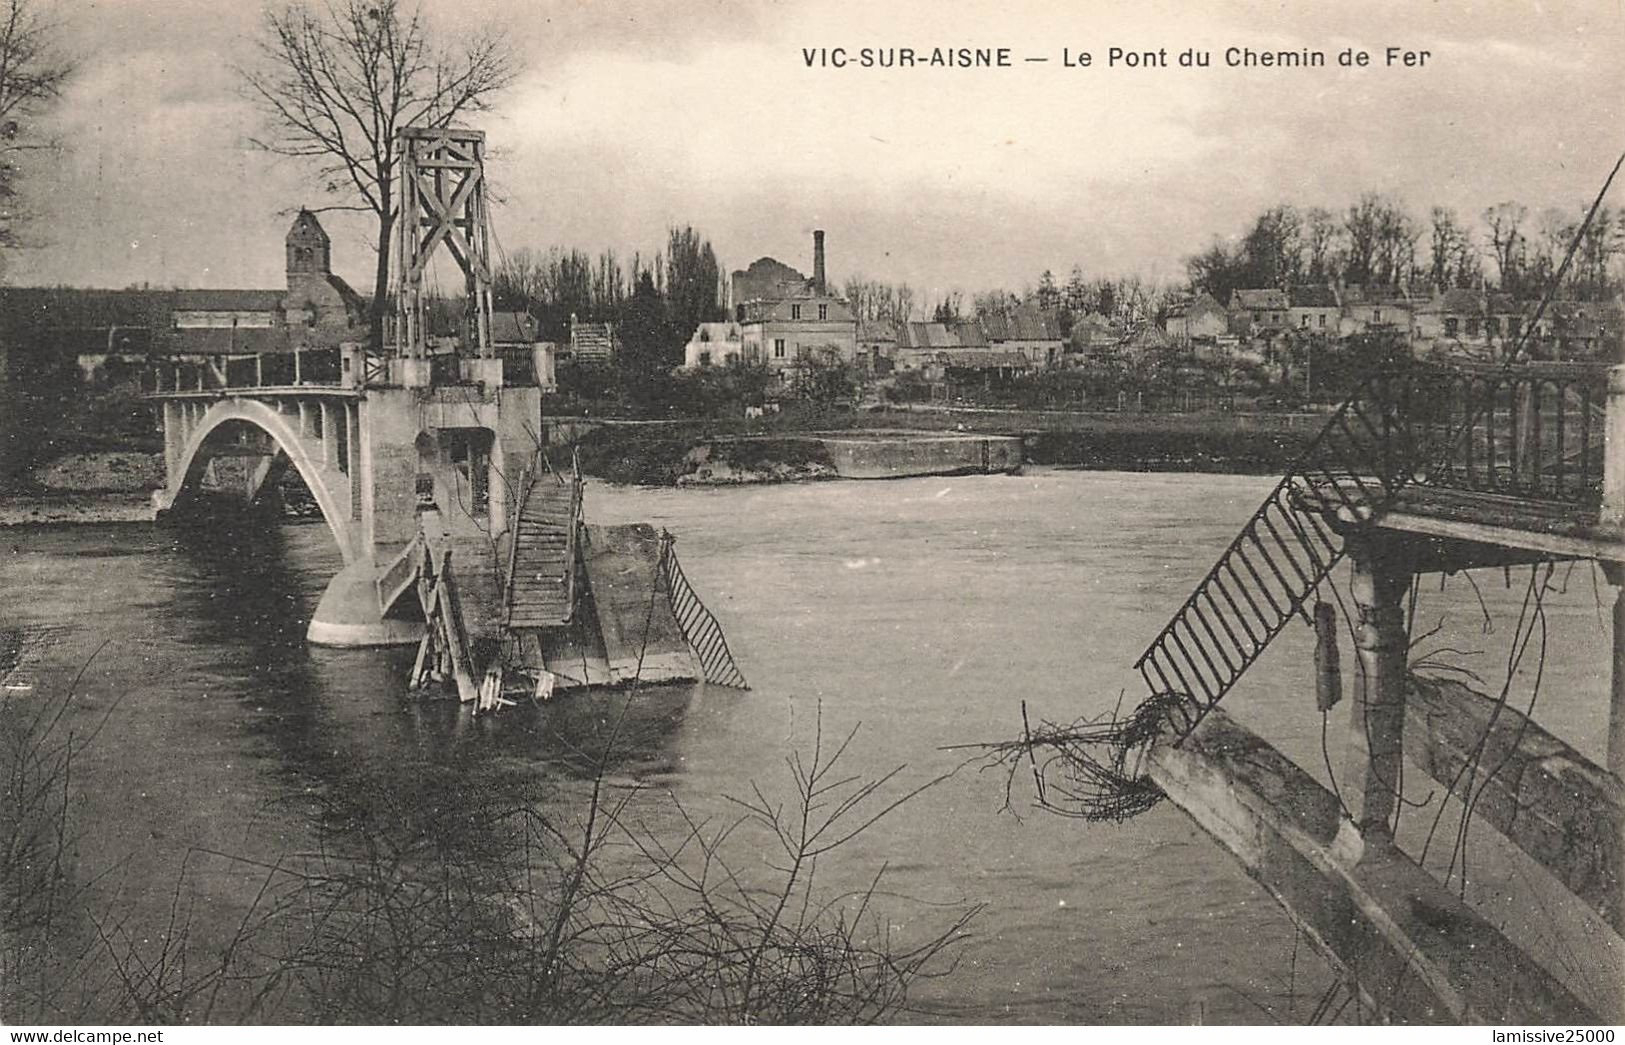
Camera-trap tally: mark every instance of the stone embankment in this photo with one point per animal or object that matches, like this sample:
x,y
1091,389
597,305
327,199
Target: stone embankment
x,y
732,460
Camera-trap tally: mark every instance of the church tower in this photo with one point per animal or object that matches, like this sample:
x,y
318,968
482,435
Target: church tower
x,y
308,248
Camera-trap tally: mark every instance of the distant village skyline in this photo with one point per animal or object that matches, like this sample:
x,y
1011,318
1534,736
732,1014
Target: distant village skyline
x,y
629,118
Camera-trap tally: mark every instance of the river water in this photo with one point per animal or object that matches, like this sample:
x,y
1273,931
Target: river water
x,y
925,610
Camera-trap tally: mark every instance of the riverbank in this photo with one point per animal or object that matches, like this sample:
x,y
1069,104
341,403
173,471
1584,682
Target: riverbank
x,y
682,452
1225,451
55,509
106,486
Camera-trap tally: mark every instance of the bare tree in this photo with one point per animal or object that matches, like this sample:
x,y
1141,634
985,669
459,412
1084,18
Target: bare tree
x,y
1505,221
1396,245
33,71
1321,235
337,82
517,282
1451,259
1604,241
1002,302
1273,249
877,300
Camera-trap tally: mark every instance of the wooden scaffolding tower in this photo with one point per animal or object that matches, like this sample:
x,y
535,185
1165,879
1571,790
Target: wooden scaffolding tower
x,y
442,201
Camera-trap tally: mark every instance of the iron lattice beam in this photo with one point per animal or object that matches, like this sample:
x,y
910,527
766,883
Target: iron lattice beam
x,y
442,201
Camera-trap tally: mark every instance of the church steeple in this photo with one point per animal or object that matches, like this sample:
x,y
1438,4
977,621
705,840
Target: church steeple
x,y
308,247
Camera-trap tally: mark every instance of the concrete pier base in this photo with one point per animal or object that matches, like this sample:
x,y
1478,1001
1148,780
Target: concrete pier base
x,y
348,613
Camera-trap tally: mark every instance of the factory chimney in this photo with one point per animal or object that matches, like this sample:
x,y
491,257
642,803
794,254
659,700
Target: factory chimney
x,y
819,286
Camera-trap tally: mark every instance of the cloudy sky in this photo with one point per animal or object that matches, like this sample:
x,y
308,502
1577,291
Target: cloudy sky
x,y
632,116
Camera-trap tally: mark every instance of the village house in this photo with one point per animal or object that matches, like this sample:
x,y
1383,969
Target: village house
x,y
958,352
1458,321
788,322
1033,333
1314,309
1254,311
714,344
1093,336
920,344
1504,319
786,334
877,345
1200,318
1149,343
1574,330
1377,309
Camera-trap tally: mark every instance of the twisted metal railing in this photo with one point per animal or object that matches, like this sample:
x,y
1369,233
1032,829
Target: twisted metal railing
x,y
700,628
1530,431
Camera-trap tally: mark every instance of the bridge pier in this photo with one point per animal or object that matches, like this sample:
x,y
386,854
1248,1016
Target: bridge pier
x,y
466,449
173,436
348,612
1378,584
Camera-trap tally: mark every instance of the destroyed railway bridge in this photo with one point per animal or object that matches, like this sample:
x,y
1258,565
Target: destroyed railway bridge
x,y
427,453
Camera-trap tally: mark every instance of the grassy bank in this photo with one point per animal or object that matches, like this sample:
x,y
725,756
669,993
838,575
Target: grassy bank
x,y
1230,451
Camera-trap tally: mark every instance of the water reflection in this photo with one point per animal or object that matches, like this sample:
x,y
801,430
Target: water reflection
x,y
344,718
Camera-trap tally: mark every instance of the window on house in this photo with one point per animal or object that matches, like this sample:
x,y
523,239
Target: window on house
x,y
823,311
1472,326
1450,326
1514,325
795,311
778,348
705,359
1376,315
1304,320
1323,319
1492,326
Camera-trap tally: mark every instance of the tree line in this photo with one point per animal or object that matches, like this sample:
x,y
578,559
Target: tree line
x,y
1376,240
684,281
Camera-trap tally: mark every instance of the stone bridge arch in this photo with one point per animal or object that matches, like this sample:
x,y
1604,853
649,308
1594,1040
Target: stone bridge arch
x,y
328,484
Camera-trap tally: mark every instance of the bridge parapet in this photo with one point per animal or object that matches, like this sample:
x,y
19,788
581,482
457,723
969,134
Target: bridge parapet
x,y
1533,431
350,366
